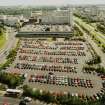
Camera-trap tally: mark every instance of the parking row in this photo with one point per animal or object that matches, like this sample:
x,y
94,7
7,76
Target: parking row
x,y
37,41
73,45
53,47
49,59
41,52
55,68
94,97
69,43
61,80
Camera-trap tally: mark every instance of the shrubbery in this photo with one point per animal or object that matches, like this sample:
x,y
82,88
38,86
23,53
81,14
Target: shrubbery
x,y
12,54
10,58
98,69
101,28
59,99
77,31
10,79
45,96
2,87
95,60
103,49
2,29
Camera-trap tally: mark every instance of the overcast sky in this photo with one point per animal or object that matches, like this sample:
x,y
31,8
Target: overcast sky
x,y
49,2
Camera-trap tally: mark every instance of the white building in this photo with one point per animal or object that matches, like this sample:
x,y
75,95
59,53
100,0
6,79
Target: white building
x,y
10,19
54,17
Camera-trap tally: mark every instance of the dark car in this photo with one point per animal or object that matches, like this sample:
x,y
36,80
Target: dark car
x,y
22,102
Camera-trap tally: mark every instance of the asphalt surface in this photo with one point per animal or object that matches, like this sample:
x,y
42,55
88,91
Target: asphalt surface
x,y
9,101
15,101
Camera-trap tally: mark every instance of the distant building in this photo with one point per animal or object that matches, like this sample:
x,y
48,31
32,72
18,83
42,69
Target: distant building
x,y
10,20
89,12
53,17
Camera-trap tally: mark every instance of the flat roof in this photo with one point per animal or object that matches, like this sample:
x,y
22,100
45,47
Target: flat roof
x,y
44,34
42,28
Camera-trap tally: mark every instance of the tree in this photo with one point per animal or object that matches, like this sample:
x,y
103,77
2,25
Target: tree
x,y
47,97
18,26
10,79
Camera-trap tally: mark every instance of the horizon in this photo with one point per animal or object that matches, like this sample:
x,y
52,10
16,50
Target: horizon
x,y
50,2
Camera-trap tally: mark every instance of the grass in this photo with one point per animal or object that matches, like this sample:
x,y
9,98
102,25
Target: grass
x,y
2,41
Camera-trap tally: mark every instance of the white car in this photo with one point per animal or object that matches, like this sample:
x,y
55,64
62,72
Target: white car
x,y
27,99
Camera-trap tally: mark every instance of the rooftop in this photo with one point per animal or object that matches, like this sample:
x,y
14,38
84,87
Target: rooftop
x,y
46,28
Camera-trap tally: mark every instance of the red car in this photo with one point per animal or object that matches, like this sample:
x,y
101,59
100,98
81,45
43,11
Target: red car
x,y
5,104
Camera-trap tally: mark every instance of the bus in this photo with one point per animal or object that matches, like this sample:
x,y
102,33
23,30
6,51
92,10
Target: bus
x,y
13,92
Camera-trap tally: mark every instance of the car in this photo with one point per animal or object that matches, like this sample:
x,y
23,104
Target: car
x,y
5,104
25,75
22,103
27,99
50,73
99,95
5,52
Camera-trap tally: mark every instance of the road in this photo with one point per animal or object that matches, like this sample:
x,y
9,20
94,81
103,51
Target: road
x,y
11,42
94,45
15,101
10,101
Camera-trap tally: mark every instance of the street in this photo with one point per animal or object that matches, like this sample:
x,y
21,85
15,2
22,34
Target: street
x,y
11,43
15,101
9,101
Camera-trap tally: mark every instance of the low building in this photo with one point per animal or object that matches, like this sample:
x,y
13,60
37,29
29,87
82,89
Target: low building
x,y
10,20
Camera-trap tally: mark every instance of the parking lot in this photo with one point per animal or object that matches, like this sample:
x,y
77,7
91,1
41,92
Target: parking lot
x,y
56,66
